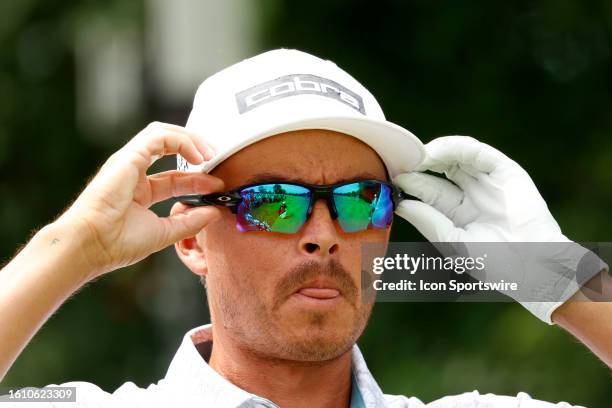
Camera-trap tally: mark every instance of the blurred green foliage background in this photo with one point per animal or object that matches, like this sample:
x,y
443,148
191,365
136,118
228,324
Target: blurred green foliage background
x,y
530,78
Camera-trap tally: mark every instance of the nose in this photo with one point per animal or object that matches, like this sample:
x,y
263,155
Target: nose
x,y
319,236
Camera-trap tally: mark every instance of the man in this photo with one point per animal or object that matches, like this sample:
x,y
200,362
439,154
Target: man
x,y
282,210
285,301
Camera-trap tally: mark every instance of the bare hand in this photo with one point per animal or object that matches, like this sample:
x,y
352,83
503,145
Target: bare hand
x,y
113,212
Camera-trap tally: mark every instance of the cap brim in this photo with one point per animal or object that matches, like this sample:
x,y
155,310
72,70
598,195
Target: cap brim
x,y
399,149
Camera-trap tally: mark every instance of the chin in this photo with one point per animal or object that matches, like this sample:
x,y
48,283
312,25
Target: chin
x,y
318,346
319,337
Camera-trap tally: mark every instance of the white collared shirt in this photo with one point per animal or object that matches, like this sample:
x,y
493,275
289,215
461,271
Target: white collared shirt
x,y
191,382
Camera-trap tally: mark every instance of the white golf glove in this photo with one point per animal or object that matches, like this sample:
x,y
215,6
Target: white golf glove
x,y
493,200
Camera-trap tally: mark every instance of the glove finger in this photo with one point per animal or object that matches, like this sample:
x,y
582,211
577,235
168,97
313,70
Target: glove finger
x,y
469,169
435,191
430,222
444,152
461,178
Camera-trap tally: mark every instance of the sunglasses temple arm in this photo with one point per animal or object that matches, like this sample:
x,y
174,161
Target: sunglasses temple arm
x,y
400,195
195,200
225,200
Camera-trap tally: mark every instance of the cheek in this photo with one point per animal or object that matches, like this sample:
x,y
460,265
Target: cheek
x,y
354,249
243,262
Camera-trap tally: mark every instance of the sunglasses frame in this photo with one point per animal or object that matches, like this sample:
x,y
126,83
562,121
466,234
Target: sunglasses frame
x,y
232,199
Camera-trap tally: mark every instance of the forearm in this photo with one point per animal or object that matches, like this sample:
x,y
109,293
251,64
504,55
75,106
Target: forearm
x,y
590,321
109,226
35,283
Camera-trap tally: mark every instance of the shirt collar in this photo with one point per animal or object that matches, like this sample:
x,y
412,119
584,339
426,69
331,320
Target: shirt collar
x,y
189,370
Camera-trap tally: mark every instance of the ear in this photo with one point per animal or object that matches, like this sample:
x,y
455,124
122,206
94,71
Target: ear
x,y
190,250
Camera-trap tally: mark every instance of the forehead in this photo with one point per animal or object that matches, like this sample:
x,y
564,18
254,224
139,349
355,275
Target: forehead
x,y
312,156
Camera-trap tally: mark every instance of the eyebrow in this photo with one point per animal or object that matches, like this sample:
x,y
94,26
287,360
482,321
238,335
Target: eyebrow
x,y
270,176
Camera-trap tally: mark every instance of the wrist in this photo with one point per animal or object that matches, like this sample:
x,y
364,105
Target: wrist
x,y
69,246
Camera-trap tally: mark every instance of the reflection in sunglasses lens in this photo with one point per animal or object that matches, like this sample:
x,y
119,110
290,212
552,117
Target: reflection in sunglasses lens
x,y
273,207
362,204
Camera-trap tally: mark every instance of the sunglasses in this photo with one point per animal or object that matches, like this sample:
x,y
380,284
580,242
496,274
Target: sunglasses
x,y
285,206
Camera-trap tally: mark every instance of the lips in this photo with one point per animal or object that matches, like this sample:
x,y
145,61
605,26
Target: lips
x,y
319,293
319,289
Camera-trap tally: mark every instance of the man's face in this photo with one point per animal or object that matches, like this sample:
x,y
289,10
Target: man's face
x,y
253,278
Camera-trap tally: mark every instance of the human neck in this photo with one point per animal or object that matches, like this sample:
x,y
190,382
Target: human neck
x,y
286,383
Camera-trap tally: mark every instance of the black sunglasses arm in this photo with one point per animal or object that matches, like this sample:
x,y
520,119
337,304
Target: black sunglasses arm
x,y
399,195
229,199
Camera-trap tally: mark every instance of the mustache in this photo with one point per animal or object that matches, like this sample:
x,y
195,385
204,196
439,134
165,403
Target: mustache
x,y
309,270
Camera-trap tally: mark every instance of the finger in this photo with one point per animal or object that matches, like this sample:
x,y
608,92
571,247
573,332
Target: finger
x,y
435,191
470,170
163,141
187,223
127,167
429,221
113,183
174,183
461,177
203,146
447,151
156,142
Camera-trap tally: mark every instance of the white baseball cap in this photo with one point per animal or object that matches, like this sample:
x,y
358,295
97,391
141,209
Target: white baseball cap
x,y
284,90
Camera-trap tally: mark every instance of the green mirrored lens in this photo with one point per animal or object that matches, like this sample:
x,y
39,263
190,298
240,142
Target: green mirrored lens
x,y
355,204
273,207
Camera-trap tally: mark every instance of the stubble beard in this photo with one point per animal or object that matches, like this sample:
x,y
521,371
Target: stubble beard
x,y
261,332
